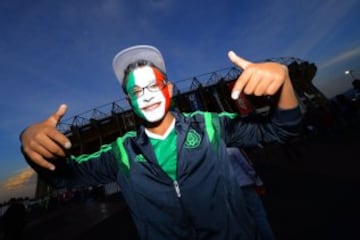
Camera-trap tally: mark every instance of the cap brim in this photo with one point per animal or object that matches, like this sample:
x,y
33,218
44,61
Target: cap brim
x,y
132,54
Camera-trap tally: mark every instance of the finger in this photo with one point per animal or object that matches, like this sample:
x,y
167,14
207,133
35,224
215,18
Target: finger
x,y
36,148
39,160
50,148
46,148
273,87
237,60
55,118
58,137
241,83
252,84
261,88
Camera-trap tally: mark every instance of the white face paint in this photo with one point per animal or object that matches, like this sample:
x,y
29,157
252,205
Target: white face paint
x,y
151,106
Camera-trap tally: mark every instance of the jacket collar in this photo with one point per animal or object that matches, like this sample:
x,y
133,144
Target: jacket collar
x,y
181,126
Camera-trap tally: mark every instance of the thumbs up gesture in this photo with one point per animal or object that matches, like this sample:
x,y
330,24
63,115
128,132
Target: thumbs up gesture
x,y
264,79
258,78
42,141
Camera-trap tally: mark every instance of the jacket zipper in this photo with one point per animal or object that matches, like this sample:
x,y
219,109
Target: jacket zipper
x,y
175,182
177,189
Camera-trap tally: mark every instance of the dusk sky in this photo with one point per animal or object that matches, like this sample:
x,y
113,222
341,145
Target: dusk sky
x,y
54,52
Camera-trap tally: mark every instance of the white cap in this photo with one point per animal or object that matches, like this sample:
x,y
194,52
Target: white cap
x,y
132,54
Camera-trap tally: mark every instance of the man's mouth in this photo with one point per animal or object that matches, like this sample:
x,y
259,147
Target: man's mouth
x,y
151,107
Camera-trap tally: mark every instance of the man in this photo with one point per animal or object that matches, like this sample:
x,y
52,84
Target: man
x,y
174,171
249,181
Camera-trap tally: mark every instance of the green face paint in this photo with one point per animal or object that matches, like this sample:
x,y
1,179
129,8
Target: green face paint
x,y
131,83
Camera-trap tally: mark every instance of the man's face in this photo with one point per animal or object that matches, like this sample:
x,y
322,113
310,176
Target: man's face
x,y
148,94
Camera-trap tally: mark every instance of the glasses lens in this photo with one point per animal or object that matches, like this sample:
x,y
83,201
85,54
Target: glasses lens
x,y
153,87
138,92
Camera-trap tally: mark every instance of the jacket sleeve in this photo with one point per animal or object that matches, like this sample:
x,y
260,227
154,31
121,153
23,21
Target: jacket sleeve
x,y
280,126
77,171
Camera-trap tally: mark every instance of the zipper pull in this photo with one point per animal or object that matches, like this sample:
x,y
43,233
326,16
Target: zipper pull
x,y
177,189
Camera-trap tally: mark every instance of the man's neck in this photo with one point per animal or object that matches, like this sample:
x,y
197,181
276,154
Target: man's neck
x,y
163,125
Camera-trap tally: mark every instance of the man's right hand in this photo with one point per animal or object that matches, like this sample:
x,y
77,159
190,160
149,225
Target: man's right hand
x,y
42,141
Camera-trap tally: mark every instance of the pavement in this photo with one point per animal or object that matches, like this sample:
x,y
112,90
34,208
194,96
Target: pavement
x,y
312,192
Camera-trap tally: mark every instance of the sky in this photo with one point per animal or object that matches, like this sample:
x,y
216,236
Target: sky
x,y
54,52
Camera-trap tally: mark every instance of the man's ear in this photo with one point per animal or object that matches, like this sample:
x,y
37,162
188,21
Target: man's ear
x,y
170,87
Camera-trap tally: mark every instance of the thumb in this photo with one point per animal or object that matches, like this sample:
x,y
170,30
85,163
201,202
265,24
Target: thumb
x,y
237,60
55,118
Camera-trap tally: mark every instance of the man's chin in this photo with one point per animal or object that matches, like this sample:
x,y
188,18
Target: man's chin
x,y
154,115
154,119
153,123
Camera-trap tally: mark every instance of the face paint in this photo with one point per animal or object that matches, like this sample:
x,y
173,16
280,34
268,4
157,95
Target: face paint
x,y
151,105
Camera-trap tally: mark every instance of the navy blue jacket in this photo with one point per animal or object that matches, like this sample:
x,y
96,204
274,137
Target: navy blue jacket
x,y
244,171
205,202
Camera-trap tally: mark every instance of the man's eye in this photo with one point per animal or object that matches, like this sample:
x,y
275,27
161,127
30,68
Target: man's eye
x,y
137,92
153,86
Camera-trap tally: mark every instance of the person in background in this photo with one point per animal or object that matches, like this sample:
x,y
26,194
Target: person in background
x,y
174,170
250,181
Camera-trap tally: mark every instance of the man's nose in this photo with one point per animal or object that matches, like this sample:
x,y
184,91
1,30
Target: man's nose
x,y
147,95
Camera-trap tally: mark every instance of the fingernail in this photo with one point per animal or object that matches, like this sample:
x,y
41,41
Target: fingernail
x,y
67,145
231,53
235,94
52,167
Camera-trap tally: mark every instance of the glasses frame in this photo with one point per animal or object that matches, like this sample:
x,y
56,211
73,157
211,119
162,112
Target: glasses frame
x,y
142,89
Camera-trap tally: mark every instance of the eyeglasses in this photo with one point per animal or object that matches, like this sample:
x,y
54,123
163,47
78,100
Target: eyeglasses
x,y
152,87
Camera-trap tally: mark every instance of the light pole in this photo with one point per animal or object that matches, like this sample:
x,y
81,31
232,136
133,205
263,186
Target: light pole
x,y
349,72
355,82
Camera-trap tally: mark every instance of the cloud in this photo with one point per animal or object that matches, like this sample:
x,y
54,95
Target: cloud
x,y
345,56
319,26
21,184
19,180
